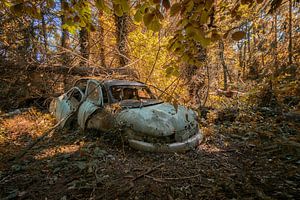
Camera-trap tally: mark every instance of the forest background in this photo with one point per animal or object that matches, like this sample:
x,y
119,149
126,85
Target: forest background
x,y
189,51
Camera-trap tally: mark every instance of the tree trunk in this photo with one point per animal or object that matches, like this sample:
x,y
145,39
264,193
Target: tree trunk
x,y
244,61
275,45
65,41
196,79
290,33
25,50
44,31
249,40
121,37
225,70
65,44
84,46
101,41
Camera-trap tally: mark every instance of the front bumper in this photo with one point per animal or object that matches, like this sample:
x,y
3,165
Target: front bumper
x,y
173,147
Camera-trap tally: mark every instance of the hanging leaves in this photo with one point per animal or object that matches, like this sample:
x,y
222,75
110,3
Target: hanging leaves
x,y
101,5
148,18
166,4
138,16
238,35
120,7
175,9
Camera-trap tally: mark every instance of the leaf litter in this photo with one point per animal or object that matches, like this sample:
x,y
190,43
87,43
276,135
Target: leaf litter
x,y
252,157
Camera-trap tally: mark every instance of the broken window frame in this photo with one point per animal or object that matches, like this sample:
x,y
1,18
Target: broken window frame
x,y
97,88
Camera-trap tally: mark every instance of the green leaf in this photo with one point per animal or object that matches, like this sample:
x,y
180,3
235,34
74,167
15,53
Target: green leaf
x,y
208,4
100,4
117,1
155,25
184,22
190,31
118,10
203,17
138,16
70,27
189,6
148,18
125,6
200,37
238,35
175,9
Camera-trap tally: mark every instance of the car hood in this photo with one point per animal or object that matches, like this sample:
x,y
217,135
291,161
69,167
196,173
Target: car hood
x,y
158,120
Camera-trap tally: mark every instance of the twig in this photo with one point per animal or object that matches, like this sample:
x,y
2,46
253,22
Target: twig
x,y
131,184
171,178
148,172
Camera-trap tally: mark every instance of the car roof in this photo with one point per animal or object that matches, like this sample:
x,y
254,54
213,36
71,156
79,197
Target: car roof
x,y
112,82
115,82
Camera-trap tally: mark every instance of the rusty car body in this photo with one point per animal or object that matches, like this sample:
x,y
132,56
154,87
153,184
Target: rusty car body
x,y
148,123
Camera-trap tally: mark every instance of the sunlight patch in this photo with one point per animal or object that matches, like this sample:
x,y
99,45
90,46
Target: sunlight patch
x,y
54,151
209,149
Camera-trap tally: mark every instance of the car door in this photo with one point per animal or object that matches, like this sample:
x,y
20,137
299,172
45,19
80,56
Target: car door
x,y
64,106
93,102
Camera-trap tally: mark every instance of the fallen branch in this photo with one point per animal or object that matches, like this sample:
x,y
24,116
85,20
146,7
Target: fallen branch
x,y
15,112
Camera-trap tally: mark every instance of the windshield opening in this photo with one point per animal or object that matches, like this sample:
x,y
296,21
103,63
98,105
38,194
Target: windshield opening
x,y
120,93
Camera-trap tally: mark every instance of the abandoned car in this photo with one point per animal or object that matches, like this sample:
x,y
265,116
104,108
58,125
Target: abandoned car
x,y
147,123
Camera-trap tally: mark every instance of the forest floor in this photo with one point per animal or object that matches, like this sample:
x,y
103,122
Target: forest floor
x,y
254,156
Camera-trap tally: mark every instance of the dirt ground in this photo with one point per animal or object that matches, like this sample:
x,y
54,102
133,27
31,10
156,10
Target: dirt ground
x,y
253,157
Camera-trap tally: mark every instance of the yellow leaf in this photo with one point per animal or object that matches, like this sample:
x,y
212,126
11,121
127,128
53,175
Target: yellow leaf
x,y
118,10
125,6
203,17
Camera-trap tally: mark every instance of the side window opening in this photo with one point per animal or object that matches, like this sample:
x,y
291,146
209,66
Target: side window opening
x,y
93,92
77,95
81,84
105,97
